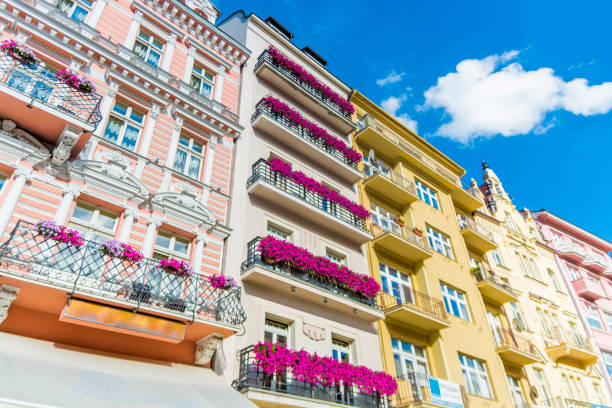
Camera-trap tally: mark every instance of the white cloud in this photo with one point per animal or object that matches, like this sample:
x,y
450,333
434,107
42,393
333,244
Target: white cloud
x,y
489,96
392,104
392,78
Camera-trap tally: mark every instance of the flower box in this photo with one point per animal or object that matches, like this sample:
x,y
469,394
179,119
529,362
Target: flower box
x,y
19,52
119,250
418,232
176,267
59,233
71,79
221,282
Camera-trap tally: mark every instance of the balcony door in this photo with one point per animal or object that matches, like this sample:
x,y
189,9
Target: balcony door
x,y
277,333
516,391
411,366
496,327
384,219
341,351
396,284
372,167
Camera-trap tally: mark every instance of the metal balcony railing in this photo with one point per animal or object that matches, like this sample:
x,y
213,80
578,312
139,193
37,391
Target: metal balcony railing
x,y
507,338
421,301
262,109
396,178
403,232
555,336
261,172
87,270
467,224
251,377
265,57
40,85
482,276
414,387
254,258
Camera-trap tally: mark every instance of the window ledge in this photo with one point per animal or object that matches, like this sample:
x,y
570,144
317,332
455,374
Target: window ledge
x,y
535,280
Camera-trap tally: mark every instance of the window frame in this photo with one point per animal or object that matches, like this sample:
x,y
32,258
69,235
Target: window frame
x,y
126,120
71,11
479,370
380,215
276,328
496,256
190,153
341,348
336,257
201,76
278,232
403,283
91,227
461,303
148,43
161,250
436,236
589,310
427,194
401,355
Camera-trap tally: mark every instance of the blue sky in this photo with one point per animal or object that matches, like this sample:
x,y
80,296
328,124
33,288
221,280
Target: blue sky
x,y
531,95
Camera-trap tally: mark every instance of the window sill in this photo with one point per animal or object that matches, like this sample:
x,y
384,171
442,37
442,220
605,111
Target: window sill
x,y
536,280
469,394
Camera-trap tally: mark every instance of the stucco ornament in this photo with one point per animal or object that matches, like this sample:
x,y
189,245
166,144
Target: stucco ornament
x,y
185,207
7,295
206,347
110,175
69,137
313,332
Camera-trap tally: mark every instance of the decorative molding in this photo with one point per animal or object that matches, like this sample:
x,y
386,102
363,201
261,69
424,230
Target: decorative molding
x,y
110,177
113,87
206,347
184,207
154,110
131,212
213,142
313,332
69,137
172,37
178,123
138,15
8,294
154,220
202,237
75,191
116,158
186,188
23,171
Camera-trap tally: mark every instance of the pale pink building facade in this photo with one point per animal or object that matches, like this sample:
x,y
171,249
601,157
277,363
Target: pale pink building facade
x,y
583,259
145,160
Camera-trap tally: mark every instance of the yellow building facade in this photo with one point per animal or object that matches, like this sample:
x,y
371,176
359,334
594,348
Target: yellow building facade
x,y
435,336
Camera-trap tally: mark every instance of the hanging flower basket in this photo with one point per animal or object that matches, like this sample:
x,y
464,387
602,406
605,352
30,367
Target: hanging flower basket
x,y
59,233
221,282
19,52
176,267
71,79
119,250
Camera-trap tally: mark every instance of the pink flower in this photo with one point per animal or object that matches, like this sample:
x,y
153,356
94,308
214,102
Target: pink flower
x,y
221,281
71,79
176,267
51,230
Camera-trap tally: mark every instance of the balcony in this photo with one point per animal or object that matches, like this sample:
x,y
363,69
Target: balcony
x,y
399,242
569,348
307,287
494,289
270,186
588,288
595,263
46,269
475,236
376,136
561,402
390,186
285,390
514,350
302,141
42,105
571,251
419,390
415,311
467,199
303,93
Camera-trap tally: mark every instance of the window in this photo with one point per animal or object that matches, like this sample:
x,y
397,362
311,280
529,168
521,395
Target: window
x,y
540,383
148,48
396,283
276,332
496,327
518,322
189,156
278,232
76,10
454,302
427,195
535,273
574,274
607,358
440,242
2,181
593,316
373,166
553,278
335,257
124,125
516,391
409,358
510,223
496,257
608,320
341,351
202,81
598,393
171,243
94,217
386,220
475,376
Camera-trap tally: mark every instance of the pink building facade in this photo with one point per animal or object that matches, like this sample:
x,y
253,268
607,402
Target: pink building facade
x,y
587,270
145,159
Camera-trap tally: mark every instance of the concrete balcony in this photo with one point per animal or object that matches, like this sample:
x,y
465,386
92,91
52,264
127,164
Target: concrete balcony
x,y
594,263
515,350
271,187
475,236
376,136
40,104
570,348
302,141
571,251
390,186
466,199
417,311
136,298
400,243
303,93
588,289
419,390
307,287
493,289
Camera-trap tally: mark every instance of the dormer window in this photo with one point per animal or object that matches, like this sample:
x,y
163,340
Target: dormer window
x,y
278,27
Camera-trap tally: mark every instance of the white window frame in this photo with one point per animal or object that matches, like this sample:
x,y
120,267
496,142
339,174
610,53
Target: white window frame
x,y
170,251
552,275
91,227
418,362
541,385
149,44
278,232
340,348
426,194
335,256
71,10
608,322
203,80
277,328
510,222
126,120
190,154
475,376
440,242
396,283
516,391
592,316
574,273
374,166
455,297
384,218
496,256
607,359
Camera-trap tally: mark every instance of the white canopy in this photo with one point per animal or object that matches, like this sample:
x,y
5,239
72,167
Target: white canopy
x,y
36,373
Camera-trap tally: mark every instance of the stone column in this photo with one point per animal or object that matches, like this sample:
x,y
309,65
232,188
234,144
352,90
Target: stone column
x,y
212,145
147,134
169,51
107,104
153,222
198,250
191,52
93,17
128,220
219,83
133,30
70,193
22,175
7,295
176,134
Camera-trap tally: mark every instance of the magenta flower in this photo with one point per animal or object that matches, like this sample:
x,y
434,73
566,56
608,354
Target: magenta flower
x,y
303,75
116,249
20,52
50,230
284,169
74,81
221,281
285,253
176,267
277,358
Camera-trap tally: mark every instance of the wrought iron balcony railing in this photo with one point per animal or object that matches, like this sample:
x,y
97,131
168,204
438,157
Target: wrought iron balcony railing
x,y
414,387
507,338
482,276
254,258
251,377
265,57
393,176
144,284
264,109
261,172
403,232
467,224
421,301
40,85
